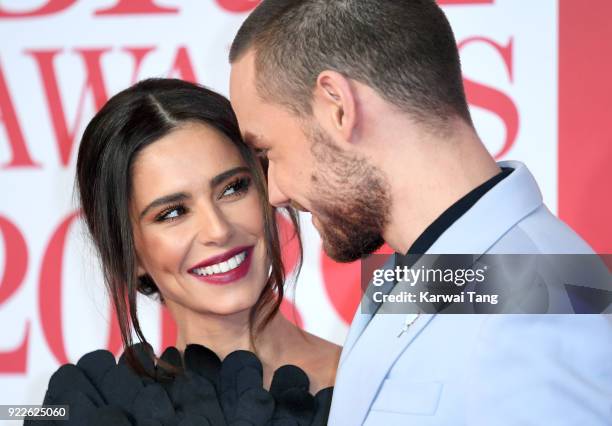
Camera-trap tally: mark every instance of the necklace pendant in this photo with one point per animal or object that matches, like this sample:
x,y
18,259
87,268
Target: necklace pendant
x,y
410,319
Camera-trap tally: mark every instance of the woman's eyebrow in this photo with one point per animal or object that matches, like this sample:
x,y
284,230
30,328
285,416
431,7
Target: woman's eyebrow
x,y
228,174
182,196
166,199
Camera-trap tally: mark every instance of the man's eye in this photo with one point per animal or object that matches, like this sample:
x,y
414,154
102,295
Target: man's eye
x,y
171,213
262,153
237,187
262,156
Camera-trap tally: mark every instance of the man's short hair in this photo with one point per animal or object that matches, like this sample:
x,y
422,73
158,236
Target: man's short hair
x,y
403,49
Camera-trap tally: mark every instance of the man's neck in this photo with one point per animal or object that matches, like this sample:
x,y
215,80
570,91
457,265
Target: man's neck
x,y
429,178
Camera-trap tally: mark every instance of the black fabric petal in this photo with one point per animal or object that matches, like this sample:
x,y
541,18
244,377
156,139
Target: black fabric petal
x,y
202,361
240,371
95,365
172,357
144,355
294,404
241,392
195,420
288,377
150,422
120,386
153,403
68,378
285,421
254,407
109,415
30,422
81,408
323,400
193,394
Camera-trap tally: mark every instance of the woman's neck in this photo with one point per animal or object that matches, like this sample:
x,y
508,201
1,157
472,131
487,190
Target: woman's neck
x,y
279,343
224,334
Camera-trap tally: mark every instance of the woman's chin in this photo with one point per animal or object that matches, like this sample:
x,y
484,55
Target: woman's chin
x,y
226,307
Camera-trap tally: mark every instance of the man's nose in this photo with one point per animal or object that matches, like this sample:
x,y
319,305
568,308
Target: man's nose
x,y
275,195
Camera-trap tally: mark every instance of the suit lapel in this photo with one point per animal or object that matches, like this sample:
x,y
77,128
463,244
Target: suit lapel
x,y
361,319
372,346
368,364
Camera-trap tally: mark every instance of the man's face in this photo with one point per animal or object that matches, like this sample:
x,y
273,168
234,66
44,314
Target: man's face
x,y
348,198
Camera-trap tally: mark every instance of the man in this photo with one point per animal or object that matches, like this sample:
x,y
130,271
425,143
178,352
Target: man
x,y
360,109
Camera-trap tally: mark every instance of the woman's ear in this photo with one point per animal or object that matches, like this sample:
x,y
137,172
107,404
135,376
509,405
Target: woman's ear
x,y
140,271
334,103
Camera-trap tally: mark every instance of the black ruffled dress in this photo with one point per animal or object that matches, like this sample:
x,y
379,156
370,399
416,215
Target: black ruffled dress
x,y
206,392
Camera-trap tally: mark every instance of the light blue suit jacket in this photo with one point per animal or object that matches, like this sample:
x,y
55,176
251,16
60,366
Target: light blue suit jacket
x,y
485,370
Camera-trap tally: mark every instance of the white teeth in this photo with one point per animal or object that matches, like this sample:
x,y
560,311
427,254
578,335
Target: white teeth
x,y
233,262
228,265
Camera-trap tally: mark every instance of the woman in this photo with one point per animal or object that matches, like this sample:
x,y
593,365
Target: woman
x,y
176,205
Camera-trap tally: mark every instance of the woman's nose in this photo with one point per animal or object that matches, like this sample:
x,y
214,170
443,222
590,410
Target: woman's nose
x,y
214,227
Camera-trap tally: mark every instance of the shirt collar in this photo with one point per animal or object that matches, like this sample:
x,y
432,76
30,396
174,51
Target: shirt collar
x,y
454,212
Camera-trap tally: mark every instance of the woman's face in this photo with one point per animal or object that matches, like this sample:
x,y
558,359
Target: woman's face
x,y
198,224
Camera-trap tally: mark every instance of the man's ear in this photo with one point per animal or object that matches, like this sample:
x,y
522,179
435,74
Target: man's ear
x,y
334,102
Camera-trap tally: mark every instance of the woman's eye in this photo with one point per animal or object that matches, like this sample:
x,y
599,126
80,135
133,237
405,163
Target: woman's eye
x,y
236,188
170,214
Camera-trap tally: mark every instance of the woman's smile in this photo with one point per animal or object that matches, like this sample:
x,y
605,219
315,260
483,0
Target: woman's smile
x,y
225,268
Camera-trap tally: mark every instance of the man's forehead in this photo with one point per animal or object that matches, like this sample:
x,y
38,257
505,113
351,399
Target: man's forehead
x,y
242,76
250,137
243,96
248,120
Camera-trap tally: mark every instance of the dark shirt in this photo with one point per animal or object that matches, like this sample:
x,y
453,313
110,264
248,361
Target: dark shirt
x,y
453,213
446,220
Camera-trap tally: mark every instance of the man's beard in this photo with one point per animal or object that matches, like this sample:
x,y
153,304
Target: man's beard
x,y
351,200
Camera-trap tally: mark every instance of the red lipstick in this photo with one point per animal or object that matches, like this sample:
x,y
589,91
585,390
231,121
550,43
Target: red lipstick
x,y
227,277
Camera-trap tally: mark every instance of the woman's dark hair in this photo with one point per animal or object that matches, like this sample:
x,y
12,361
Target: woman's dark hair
x,y
128,122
